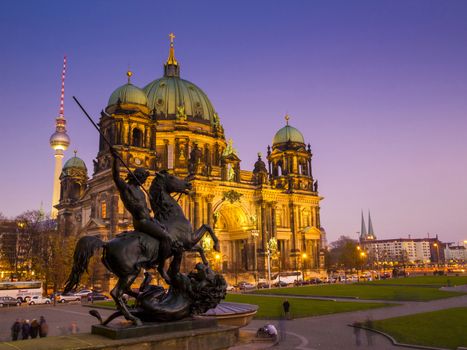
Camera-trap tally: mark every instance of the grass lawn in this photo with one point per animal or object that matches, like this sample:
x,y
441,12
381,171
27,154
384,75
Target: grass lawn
x,y
382,292
445,328
271,307
435,281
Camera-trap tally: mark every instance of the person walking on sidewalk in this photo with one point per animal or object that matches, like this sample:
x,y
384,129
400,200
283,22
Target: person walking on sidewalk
x,y
286,307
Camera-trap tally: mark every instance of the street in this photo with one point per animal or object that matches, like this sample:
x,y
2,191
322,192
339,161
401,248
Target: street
x,y
58,317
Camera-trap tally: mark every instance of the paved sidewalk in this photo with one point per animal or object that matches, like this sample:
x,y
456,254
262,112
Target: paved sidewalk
x,y
332,331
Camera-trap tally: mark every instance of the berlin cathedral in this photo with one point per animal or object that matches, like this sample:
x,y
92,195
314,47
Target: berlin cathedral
x,y
270,211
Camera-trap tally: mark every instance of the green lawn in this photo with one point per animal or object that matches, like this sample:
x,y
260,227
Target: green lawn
x,y
271,307
445,328
382,292
435,281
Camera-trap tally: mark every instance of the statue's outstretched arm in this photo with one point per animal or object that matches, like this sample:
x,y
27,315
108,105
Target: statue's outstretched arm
x,y
116,170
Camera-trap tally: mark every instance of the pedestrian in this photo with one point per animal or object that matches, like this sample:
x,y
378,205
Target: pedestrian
x,y
368,331
73,328
34,328
25,329
43,327
286,307
15,329
356,332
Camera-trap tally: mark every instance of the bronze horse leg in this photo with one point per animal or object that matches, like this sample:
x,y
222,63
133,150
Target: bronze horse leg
x,y
124,284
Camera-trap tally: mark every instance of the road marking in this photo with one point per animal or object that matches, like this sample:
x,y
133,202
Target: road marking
x,y
71,312
304,341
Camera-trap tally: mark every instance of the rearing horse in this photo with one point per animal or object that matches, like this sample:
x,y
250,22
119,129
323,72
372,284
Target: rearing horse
x,y
169,213
129,252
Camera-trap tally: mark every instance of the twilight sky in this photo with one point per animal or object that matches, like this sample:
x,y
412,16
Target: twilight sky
x,y
379,89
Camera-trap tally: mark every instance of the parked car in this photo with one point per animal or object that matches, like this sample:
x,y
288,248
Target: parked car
x,y
93,296
280,284
38,300
83,292
230,288
64,298
245,285
262,285
9,301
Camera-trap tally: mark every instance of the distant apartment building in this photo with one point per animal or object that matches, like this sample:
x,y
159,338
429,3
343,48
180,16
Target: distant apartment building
x,y
456,252
401,250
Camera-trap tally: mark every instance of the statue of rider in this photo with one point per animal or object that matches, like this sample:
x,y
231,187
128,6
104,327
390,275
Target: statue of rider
x,y
134,200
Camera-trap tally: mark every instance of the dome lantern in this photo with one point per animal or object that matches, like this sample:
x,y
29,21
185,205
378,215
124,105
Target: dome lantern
x,y
171,67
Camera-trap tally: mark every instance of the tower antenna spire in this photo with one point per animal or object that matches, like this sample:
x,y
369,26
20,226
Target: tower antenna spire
x,y
61,111
59,142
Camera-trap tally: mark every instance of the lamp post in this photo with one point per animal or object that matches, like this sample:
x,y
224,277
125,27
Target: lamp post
x,y
437,253
255,234
272,247
304,256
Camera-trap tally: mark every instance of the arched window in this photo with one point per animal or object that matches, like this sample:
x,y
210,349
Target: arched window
x,y
137,138
103,210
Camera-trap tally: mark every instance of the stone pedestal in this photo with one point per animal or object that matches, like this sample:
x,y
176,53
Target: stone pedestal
x,y
125,331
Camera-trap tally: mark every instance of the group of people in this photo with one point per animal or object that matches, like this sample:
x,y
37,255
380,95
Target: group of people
x,y
23,329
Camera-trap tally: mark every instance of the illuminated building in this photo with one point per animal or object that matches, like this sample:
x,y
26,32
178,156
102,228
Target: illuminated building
x,y
172,124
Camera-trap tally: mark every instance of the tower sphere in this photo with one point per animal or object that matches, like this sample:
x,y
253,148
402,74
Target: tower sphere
x,y
59,141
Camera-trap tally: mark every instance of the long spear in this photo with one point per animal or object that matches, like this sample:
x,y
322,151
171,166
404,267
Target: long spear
x,y
110,145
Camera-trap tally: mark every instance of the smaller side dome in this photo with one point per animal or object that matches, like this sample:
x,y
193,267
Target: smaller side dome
x,y
76,163
286,134
128,93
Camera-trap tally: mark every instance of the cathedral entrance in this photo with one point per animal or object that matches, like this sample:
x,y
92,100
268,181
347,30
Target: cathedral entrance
x,y
233,226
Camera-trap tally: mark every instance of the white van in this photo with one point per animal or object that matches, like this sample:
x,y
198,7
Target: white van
x,y
287,277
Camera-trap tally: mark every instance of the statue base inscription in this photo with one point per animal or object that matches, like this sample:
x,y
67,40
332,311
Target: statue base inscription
x,y
126,331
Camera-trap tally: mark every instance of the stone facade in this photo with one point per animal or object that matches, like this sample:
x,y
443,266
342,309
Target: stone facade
x,y
246,208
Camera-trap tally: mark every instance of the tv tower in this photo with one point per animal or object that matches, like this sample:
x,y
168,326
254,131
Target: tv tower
x,y
59,141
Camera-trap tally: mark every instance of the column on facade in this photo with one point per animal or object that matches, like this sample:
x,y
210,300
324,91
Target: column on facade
x,y
293,227
196,212
273,220
263,226
209,213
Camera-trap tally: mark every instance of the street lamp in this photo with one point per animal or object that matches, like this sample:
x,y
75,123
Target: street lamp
x,y
271,248
437,253
255,234
304,256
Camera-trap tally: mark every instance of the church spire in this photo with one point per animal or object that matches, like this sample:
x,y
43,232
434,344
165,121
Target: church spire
x,y
371,233
363,229
171,67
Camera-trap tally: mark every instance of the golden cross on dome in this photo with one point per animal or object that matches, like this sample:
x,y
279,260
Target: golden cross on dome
x,y
129,73
75,151
172,37
287,117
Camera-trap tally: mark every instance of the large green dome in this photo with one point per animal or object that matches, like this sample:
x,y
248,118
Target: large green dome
x,y
128,93
286,134
170,96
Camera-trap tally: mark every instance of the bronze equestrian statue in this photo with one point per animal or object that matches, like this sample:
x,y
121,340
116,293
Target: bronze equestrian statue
x,y
129,252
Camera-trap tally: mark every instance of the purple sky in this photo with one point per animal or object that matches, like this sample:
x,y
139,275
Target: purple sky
x,y
379,89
